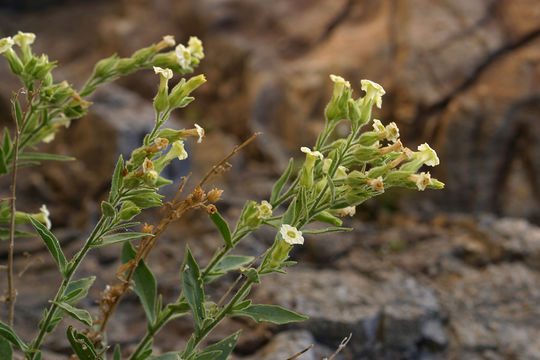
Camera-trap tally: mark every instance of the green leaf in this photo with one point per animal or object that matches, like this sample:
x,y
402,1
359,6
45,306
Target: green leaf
x,y
18,112
81,345
79,314
117,355
43,157
117,178
145,282
228,263
332,188
226,346
117,238
77,290
327,230
192,286
210,355
223,228
52,244
6,352
7,145
7,333
167,356
4,234
3,164
271,313
278,186
107,209
288,217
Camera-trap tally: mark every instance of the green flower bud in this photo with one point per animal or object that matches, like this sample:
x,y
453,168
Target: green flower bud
x,y
368,138
338,107
250,217
107,209
128,211
327,218
161,101
183,89
363,154
126,65
106,68
15,64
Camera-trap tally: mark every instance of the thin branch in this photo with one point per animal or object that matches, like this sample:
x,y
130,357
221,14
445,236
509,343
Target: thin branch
x,y
12,293
300,353
215,168
341,346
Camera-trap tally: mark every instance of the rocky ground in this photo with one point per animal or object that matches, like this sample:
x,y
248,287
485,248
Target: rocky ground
x,y
422,276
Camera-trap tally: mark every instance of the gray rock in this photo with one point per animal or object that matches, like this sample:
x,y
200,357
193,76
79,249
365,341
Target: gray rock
x,y
390,313
284,345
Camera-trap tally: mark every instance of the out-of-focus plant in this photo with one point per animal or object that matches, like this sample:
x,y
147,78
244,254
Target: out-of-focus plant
x,y
337,175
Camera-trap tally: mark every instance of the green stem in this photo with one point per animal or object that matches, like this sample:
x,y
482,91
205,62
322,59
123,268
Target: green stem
x,y
152,330
74,264
196,339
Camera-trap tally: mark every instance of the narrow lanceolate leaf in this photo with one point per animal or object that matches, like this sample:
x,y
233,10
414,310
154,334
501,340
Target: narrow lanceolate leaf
x,y
278,186
77,290
79,314
210,355
3,163
18,112
327,230
288,217
7,333
167,356
226,346
6,352
228,263
52,244
7,145
270,313
43,157
117,178
332,188
4,234
223,228
145,283
192,286
82,346
117,238
117,355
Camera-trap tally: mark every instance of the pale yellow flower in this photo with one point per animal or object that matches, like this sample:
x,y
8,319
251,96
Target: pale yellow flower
x,y
165,73
264,210
428,154
195,47
6,44
200,132
23,39
183,56
421,180
392,132
373,91
291,235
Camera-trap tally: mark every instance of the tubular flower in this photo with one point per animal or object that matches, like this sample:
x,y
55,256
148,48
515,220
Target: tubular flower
x,y
349,210
422,180
195,47
326,165
373,91
6,44
379,128
177,150
183,56
392,132
428,154
165,73
291,235
200,132
23,39
339,84
147,165
169,40
264,210
376,184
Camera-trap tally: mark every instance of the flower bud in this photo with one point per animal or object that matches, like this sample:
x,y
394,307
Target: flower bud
x,y
338,107
195,47
328,218
128,211
182,90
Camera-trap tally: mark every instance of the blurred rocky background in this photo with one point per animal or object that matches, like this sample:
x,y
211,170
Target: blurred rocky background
x,y
453,274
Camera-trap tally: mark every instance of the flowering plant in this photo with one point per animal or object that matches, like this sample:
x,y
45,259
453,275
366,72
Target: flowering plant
x,y
336,175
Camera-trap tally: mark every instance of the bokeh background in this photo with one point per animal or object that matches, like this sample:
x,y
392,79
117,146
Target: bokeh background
x,y
452,274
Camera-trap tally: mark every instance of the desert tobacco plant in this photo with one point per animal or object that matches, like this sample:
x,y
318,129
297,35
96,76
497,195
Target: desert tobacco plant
x,y
335,176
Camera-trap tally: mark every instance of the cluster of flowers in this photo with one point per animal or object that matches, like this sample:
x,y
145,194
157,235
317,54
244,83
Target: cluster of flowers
x,y
337,175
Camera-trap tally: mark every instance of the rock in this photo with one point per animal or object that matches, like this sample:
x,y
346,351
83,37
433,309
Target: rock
x,y
284,345
384,316
493,310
